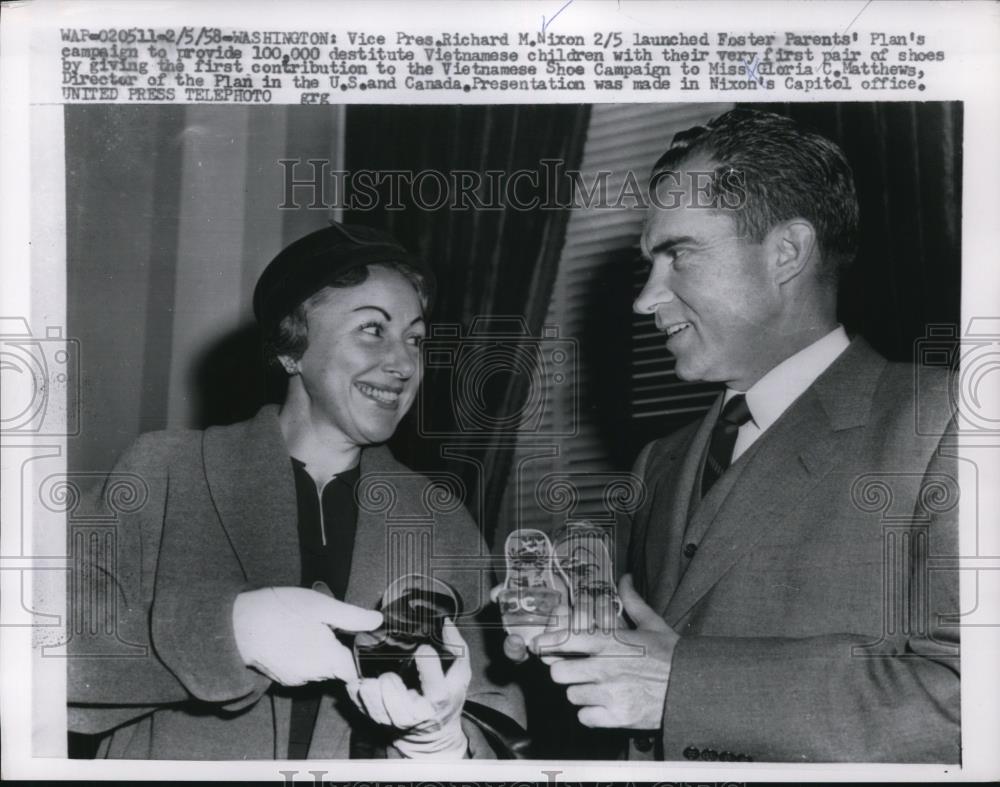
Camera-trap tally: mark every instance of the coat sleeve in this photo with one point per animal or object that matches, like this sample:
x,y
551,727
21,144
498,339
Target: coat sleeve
x,y
115,672
838,697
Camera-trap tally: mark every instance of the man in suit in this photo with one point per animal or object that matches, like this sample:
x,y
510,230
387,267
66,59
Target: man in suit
x,y
783,604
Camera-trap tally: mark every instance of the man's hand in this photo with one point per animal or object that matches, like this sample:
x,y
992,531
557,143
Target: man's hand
x,y
430,719
287,634
618,678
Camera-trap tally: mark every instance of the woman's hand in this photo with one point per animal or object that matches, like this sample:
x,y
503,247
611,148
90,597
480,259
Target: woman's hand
x,y
287,634
429,719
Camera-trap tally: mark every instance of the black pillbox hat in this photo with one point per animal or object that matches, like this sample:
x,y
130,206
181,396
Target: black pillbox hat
x,y
306,266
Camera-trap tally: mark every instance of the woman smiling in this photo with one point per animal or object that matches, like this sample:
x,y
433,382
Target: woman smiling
x,y
260,551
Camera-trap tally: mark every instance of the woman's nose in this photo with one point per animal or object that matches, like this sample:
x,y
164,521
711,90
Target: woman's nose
x,y
402,359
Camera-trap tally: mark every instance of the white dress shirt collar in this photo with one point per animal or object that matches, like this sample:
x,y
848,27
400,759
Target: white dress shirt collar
x,y
774,393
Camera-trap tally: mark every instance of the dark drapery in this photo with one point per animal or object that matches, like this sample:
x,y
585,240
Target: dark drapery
x,y
907,162
497,263
171,214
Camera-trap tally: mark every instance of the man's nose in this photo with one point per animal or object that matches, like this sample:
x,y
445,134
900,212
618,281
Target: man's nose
x,y
656,291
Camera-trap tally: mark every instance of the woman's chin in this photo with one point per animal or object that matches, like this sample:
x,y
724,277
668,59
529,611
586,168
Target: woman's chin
x,y
375,433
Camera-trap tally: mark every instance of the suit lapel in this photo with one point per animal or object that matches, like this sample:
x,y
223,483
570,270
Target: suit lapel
x,y
743,509
673,480
253,488
780,469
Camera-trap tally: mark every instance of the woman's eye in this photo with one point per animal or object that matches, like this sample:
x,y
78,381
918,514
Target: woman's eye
x,y
372,328
416,340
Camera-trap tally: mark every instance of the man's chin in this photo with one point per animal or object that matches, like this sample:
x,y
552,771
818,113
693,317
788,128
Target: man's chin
x,y
685,370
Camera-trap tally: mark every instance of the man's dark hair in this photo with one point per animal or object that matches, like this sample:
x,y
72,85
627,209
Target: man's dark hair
x,y
768,169
290,335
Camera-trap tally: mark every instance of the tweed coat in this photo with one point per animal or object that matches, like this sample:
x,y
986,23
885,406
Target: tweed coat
x,y
220,519
807,586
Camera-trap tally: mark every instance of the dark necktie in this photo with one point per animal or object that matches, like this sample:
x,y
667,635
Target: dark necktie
x,y
720,449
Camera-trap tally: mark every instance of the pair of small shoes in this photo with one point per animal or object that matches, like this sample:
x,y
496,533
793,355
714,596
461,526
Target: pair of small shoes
x,y
577,570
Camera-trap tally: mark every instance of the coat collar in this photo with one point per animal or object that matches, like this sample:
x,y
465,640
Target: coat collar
x,y
249,474
846,390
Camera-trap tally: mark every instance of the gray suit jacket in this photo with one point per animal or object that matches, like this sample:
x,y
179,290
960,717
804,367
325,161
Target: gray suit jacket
x,y
220,518
811,613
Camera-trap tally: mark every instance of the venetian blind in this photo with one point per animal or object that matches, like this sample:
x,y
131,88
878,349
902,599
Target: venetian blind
x,y
620,391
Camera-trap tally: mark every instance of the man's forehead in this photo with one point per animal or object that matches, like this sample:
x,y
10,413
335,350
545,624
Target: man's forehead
x,y
671,224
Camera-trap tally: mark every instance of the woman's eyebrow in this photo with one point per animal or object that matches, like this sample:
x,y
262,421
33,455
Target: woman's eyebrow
x,y
388,317
376,308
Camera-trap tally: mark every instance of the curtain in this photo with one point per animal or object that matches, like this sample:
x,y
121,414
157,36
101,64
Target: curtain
x,y
907,162
171,214
498,264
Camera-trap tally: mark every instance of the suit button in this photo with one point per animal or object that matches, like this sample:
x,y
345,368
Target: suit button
x,y
690,549
709,755
643,742
727,756
691,753
744,758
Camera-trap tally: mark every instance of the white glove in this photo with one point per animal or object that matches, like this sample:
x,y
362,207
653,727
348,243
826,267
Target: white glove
x,y
287,634
430,719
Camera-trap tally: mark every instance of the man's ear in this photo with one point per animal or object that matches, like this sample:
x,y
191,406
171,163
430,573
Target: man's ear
x,y
289,364
793,247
